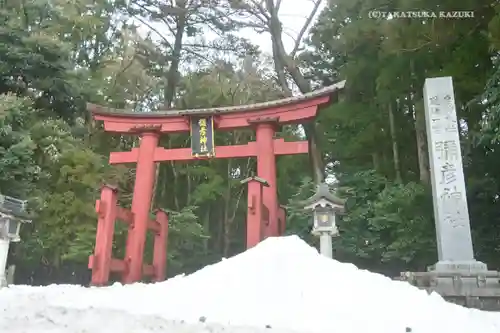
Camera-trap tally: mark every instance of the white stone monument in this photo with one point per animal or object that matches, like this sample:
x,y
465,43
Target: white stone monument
x,y
453,232
457,276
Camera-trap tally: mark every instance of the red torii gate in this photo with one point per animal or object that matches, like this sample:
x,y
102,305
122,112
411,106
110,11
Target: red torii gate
x,y
262,197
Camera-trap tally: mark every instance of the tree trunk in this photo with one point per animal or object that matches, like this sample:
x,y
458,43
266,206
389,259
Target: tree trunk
x,y
416,96
376,161
395,150
173,71
154,197
169,94
283,61
421,135
227,220
206,229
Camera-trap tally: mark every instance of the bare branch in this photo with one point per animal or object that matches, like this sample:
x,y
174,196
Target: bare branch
x,y
152,13
262,10
172,30
286,33
167,42
304,28
278,5
199,56
280,72
208,46
270,7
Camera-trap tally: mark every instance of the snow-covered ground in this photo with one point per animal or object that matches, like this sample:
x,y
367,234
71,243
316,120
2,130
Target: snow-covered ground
x,y
281,286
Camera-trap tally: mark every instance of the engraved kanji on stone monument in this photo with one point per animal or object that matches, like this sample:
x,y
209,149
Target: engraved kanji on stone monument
x,y
448,186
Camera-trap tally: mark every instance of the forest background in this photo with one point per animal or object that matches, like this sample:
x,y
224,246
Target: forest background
x,y
55,56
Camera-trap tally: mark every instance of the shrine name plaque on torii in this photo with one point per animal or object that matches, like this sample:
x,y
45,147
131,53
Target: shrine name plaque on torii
x,y
264,118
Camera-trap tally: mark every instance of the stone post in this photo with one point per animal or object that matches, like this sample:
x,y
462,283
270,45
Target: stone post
x,y
326,244
453,232
4,253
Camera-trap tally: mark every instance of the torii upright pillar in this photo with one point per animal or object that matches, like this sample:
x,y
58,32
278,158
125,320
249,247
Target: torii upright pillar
x,y
266,169
141,204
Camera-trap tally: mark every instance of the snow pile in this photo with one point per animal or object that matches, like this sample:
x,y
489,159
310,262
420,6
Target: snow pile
x,y
282,283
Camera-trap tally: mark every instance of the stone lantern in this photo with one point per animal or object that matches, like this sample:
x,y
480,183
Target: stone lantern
x,y
325,206
12,213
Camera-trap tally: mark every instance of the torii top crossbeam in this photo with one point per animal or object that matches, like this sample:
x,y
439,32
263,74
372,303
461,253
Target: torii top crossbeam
x,y
290,110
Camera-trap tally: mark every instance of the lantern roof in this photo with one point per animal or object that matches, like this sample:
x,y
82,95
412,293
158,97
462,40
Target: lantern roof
x,y
13,208
21,217
323,194
258,179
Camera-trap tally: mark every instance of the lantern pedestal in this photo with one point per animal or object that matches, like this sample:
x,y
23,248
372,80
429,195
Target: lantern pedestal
x,y
326,244
4,253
